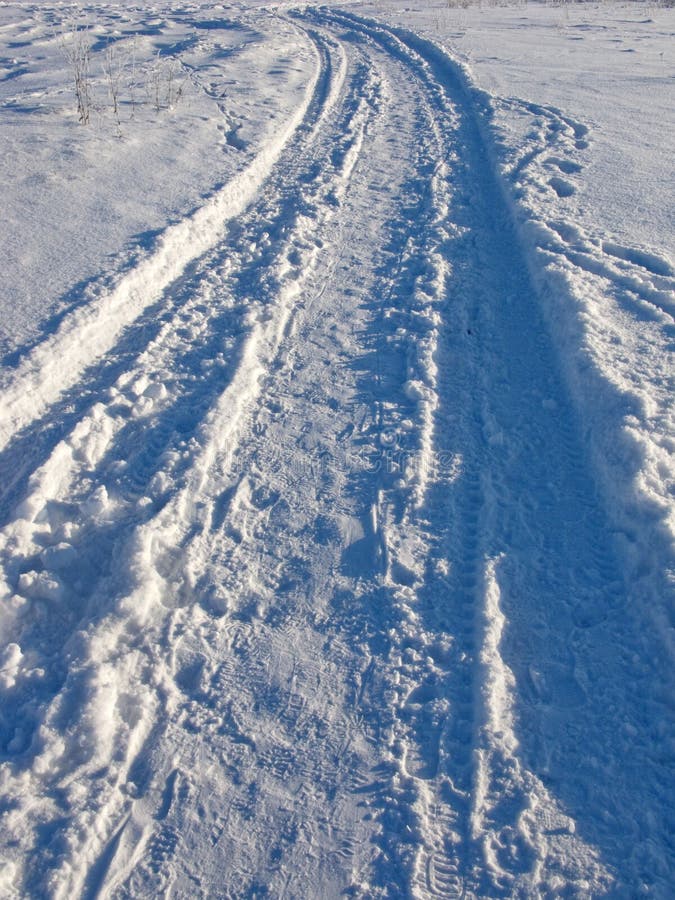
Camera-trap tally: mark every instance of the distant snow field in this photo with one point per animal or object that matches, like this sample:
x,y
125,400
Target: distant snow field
x,y
337,532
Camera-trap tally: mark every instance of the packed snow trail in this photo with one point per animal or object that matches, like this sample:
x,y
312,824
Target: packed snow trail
x,y
317,595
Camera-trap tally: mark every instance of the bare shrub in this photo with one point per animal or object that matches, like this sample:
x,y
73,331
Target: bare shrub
x,y
164,86
113,69
76,47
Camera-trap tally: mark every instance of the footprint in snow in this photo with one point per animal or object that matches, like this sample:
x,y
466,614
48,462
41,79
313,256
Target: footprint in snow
x,y
561,187
566,166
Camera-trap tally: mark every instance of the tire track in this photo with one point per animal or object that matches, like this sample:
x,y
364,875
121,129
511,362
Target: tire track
x,y
226,545
287,758
500,398
186,513
117,430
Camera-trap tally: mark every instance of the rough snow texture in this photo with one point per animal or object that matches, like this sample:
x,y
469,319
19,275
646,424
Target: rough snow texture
x,y
336,520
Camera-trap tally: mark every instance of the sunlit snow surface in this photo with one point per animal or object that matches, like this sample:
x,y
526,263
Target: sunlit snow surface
x,y
336,451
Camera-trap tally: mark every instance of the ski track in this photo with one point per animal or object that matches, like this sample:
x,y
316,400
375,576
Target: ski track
x,y
310,586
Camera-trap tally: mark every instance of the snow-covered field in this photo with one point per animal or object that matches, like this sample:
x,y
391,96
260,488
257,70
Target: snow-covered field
x,y
337,533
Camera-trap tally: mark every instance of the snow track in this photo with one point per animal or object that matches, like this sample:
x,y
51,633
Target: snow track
x,y
312,589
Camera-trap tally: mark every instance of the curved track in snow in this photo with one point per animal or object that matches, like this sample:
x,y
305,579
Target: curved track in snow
x,y
316,595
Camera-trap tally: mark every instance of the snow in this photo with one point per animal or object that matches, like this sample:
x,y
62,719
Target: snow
x,y
337,535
